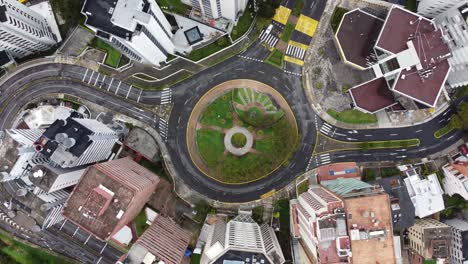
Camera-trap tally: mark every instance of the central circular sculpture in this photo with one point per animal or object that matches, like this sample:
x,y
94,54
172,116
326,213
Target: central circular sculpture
x,y
238,141
241,131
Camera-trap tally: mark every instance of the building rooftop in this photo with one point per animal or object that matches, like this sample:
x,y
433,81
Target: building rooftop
x,y
404,30
346,186
237,257
4,57
372,96
99,15
425,193
370,228
403,212
44,175
357,35
459,224
338,170
106,194
163,241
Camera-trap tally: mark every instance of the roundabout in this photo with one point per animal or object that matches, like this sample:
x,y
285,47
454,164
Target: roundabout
x,y
241,131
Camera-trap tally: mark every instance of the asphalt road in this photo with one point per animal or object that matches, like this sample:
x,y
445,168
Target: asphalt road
x,y
108,92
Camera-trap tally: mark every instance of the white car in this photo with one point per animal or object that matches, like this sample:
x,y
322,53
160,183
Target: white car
x,y
269,28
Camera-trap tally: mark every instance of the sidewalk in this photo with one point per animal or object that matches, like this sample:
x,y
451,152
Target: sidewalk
x,y
312,60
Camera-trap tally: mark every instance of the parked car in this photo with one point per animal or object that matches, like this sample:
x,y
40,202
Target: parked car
x,y
464,150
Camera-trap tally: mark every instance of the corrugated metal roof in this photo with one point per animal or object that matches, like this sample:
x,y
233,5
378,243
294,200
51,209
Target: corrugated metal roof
x,y
344,186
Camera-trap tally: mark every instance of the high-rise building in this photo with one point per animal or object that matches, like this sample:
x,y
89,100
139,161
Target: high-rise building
x,y
110,195
241,240
214,9
430,238
456,179
459,244
163,242
407,53
454,24
432,8
138,28
75,142
318,219
22,30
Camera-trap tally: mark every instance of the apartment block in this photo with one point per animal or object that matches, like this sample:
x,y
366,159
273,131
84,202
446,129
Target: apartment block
x,y
23,31
430,238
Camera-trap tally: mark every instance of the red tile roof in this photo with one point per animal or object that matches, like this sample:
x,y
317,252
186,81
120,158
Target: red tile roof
x,y
357,35
166,240
131,185
338,170
372,96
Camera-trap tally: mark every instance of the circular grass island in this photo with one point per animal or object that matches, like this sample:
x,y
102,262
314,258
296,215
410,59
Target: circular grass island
x,y
241,131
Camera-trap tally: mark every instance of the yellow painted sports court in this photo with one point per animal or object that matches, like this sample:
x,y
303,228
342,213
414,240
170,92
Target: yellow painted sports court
x,y
307,25
282,15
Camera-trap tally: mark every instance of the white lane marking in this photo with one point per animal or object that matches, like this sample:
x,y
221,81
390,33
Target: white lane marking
x,y
86,73
110,84
129,89
417,131
118,86
91,77
138,100
97,78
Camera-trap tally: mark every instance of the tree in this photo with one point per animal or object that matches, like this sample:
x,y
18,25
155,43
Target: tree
x,y
460,119
266,8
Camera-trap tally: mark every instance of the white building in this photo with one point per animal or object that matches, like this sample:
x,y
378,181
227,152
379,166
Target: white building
x,y
454,24
431,8
318,220
215,9
425,193
456,179
138,28
459,245
241,240
23,31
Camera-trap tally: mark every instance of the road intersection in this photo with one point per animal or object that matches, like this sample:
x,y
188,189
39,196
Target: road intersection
x,y
120,97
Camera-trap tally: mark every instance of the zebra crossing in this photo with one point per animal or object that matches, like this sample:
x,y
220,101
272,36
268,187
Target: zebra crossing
x,y
327,130
269,39
295,52
166,96
163,129
8,220
324,159
318,160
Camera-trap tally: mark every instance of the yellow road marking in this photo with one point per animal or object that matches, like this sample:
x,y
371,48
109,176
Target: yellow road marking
x,y
282,15
298,44
294,60
307,25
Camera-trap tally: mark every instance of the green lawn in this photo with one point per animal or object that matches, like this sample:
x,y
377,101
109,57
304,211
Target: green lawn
x,y
411,5
353,116
369,174
275,58
13,252
207,50
257,214
210,146
443,131
276,145
242,25
287,32
388,144
336,17
297,8
282,206
389,172
219,113
195,259
175,6
144,77
253,116
140,222
69,10
302,187
113,55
